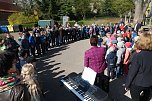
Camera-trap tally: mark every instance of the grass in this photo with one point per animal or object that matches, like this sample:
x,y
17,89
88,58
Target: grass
x,y
102,20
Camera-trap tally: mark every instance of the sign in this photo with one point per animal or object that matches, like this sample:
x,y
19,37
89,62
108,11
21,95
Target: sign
x,y
65,20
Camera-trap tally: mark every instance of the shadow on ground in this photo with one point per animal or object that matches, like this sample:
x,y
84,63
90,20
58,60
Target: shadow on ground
x,y
116,90
49,79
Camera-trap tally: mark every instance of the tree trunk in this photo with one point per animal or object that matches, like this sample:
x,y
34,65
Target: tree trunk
x,y
84,16
138,17
140,9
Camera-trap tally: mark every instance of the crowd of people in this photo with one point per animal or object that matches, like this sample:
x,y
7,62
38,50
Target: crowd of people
x,y
119,48
125,52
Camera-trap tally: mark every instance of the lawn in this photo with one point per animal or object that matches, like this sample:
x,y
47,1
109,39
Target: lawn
x,y
102,20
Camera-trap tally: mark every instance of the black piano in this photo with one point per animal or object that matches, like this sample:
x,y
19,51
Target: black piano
x,y
83,90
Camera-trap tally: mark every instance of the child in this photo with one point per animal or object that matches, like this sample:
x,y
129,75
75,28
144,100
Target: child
x,y
30,79
111,60
127,55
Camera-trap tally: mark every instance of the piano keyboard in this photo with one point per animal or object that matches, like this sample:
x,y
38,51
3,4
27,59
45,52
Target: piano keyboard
x,y
84,93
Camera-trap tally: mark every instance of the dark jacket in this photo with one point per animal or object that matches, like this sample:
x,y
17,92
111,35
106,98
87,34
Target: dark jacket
x,y
140,70
13,43
25,44
17,93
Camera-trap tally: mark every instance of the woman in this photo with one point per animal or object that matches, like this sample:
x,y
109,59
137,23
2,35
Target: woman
x,y
10,87
30,79
139,78
94,58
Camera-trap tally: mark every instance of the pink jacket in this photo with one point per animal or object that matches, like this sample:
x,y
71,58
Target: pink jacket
x,y
127,56
94,58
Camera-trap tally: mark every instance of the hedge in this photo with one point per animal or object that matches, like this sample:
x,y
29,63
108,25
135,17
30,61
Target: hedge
x,y
29,25
20,18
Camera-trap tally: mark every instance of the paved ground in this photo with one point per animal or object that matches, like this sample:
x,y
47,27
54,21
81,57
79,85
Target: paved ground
x,y
66,59
60,62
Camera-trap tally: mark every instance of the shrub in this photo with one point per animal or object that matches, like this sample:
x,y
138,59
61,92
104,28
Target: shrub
x,y
29,25
21,18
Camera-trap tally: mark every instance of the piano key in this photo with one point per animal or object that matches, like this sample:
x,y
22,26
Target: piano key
x,y
74,86
85,96
78,88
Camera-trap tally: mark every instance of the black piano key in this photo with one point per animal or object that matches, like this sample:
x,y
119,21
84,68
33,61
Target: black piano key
x,y
85,91
77,89
89,99
83,94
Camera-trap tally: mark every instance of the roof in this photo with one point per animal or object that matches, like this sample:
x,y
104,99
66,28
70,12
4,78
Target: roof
x,y
8,1
8,7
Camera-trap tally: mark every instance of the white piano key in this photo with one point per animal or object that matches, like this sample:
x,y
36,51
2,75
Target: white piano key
x,y
73,90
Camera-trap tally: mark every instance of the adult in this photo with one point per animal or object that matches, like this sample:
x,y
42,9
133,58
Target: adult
x,y
94,58
139,78
137,26
11,44
10,87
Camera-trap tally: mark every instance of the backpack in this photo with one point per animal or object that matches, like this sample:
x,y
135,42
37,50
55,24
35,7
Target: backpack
x,y
111,59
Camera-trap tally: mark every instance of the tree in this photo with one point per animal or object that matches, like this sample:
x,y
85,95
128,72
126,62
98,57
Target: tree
x,y
140,9
97,6
48,9
107,9
21,18
82,7
122,7
66,8
26,6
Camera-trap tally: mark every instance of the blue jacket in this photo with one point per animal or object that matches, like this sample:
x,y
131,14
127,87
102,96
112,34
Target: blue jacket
x,y
31,41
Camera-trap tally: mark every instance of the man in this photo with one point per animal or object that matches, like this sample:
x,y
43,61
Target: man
x,y
137,26
94,58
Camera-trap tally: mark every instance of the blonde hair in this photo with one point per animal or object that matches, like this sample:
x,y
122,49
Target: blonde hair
x,y
29,77
144,42
104,41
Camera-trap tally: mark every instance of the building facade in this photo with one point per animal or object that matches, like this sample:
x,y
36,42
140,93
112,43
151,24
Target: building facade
x,y
6,9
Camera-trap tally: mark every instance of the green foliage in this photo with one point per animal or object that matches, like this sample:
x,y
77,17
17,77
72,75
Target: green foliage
x,y
121,7
82,7
98,6
29,25
48,8
107,8
75,9
21,18
66,8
